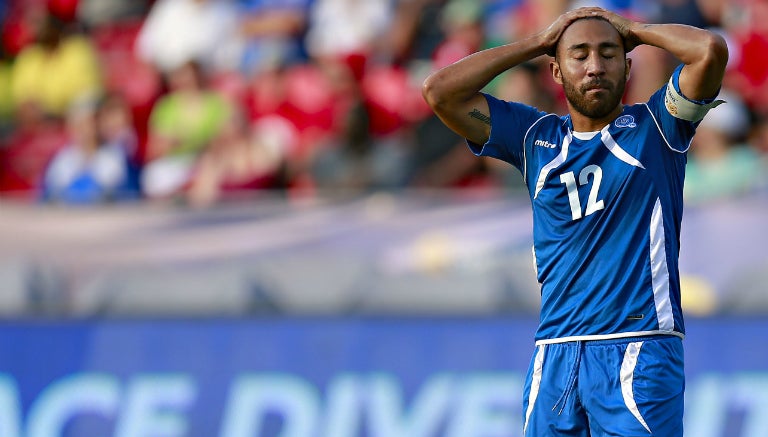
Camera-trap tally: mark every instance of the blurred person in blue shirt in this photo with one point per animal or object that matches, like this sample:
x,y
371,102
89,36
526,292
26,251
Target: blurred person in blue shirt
x,y
94,166
272,32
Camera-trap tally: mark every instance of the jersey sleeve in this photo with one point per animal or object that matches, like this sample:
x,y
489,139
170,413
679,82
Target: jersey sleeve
x,y
677,115
510,122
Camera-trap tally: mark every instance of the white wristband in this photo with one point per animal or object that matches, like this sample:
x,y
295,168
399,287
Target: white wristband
x,y
684,109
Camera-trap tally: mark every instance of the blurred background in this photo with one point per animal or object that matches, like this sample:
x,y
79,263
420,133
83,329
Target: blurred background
x,y
239,218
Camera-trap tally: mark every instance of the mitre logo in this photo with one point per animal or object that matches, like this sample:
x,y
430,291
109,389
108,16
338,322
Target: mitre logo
x,y
546,144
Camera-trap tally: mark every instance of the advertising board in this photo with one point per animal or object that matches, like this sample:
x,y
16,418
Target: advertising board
x,y
334,377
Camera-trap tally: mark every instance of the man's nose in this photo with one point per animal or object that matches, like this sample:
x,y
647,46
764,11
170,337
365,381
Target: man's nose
x,y
595,65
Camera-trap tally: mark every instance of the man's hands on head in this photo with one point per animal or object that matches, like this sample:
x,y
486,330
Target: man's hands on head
x,y
626,28
550,36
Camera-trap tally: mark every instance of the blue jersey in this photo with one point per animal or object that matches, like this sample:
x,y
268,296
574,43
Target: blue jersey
x,y
607,210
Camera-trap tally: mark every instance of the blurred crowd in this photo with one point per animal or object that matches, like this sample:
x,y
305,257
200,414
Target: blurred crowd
x,y
205,101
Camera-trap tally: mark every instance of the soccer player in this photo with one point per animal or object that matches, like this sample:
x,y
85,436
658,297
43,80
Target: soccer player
x,y
606,187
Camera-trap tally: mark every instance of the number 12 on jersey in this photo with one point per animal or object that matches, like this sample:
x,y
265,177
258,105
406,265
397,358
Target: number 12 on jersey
x,y
569,179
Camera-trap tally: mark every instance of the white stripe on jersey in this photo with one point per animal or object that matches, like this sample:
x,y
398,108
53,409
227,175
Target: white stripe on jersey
x,y
659,270
559,159
616,149
525,138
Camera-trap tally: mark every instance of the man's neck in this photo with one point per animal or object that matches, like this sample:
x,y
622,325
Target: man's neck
x,y
582,123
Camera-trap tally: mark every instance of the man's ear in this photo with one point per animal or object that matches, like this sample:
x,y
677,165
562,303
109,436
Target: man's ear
x,y
557,74
628,68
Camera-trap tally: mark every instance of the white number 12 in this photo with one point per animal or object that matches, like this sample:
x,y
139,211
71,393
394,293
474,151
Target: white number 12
x,y
569,179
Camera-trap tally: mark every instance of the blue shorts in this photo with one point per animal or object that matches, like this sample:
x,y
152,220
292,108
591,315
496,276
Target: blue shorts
x,y
625,387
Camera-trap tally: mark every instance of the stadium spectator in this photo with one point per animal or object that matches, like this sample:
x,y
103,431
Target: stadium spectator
x,y
57,70
27,148
95,166
272,32
307,103
533,15
464,31
116,126
500,17
413,35
721,164
179,31
238,161
114,26
348,29
181,125
357,161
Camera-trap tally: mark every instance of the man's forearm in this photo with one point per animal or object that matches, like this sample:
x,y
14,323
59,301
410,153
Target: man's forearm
x,y
463,79
687,43
704,53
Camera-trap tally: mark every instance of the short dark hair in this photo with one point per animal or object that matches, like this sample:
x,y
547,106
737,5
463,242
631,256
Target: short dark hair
x,y
553,53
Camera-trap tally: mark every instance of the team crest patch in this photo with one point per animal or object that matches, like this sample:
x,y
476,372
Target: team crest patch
x,y
625,121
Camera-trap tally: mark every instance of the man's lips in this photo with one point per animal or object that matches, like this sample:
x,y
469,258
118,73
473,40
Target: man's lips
x,y
595,88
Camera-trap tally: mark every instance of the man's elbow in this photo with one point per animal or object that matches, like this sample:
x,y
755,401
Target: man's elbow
x,y
441,93
717,51
431,92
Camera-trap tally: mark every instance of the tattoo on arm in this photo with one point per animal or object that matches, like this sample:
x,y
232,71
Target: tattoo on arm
x,y
480,116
